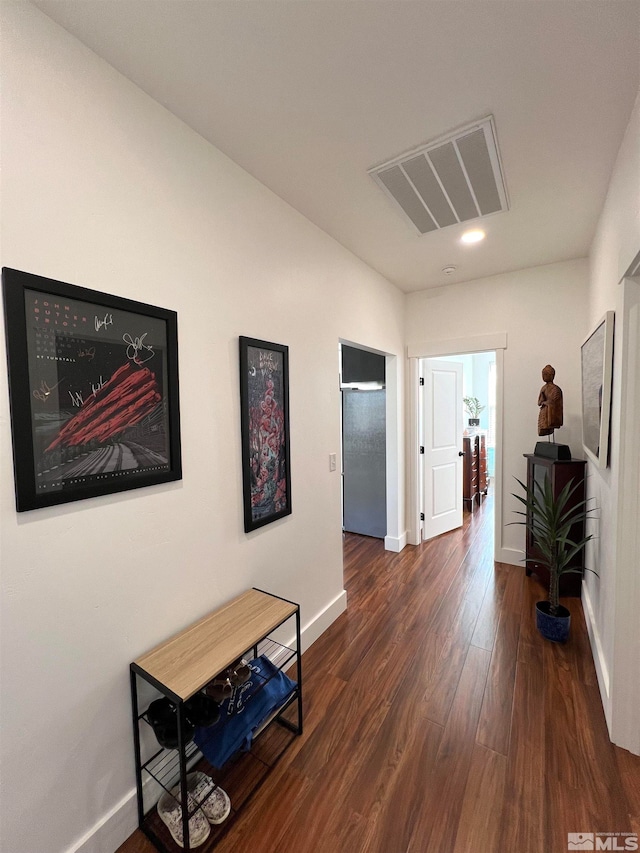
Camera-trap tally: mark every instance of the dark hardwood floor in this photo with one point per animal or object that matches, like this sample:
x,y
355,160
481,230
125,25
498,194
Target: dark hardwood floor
x,y
437,720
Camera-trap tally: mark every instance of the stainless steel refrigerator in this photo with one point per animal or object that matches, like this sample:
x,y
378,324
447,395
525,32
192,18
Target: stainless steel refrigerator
x,y
364,481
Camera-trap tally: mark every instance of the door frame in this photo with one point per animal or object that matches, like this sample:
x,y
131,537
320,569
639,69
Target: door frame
x,y
624,698
441,349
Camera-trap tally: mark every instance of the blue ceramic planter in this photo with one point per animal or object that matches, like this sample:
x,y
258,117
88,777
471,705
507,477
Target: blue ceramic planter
x,y
554,628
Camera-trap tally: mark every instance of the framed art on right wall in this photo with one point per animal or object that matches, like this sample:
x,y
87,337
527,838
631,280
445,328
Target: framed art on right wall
x,y
597,371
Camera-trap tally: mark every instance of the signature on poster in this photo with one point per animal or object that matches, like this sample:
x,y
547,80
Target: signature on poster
x,y
42,393
77,397
88,352
97,386
137,350
107,321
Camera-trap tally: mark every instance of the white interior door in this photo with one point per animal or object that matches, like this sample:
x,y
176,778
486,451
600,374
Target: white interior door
x,y
442,436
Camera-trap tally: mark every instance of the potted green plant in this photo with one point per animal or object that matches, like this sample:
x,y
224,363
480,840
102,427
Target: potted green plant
x,y
473,409
550,520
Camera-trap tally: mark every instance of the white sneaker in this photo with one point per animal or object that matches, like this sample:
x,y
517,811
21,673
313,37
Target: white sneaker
x,y
170,812
217,804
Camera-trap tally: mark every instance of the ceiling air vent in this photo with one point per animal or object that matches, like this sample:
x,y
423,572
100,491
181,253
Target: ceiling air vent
x,y
447,181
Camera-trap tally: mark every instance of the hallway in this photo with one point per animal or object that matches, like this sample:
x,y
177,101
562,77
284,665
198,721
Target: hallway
x,y
439,721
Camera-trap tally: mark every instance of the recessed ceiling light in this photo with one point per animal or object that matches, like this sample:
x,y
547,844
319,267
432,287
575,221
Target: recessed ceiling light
x,y
449,270
473,236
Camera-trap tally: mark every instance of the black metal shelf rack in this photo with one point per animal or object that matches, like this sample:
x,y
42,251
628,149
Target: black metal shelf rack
x,y
183,666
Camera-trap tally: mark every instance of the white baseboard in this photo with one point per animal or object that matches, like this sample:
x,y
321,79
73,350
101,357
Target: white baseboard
x,y
321,621
395,543
602,670
112,830
511,556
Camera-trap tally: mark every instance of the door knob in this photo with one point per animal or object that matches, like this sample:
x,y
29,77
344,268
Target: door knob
x,y
460,453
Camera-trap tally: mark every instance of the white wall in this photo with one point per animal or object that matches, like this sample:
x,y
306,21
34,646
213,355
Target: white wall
x,y
616,243
543,312
103,188
617,237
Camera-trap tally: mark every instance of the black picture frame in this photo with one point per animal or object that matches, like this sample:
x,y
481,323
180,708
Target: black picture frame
x,y
596,358
264,420
93,388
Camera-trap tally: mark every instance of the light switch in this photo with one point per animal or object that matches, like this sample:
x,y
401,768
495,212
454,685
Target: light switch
x,y
332,461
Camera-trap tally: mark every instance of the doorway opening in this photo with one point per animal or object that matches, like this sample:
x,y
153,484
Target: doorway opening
x,y
444,349
364,438
458,416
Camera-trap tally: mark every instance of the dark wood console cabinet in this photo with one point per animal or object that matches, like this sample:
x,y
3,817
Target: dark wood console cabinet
x,y
559,474
474,471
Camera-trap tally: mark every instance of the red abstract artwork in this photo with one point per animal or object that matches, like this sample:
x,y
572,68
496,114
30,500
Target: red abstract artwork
x,y
130,395
265,432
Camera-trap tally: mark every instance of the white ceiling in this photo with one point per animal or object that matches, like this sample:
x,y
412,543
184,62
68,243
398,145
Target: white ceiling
x,y
306,95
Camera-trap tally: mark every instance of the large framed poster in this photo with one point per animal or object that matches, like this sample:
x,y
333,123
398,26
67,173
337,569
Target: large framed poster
x,y
596,356
93,385
264,416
